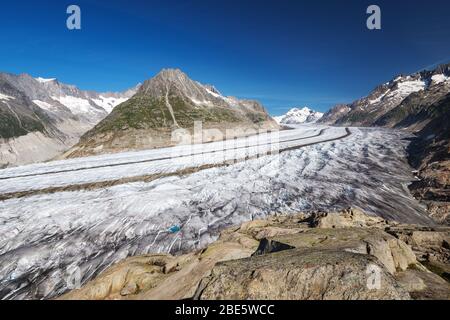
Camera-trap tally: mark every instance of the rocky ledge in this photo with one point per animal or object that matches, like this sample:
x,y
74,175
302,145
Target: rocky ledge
x,y
340,256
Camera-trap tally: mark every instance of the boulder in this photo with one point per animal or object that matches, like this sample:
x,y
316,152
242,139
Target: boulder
x,y
424,285
393,253
301,275
345,219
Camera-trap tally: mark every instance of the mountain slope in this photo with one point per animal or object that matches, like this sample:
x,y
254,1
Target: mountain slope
x,y
393,102
299,116
430,154
419,103
419,108
41,118
18,113
169,101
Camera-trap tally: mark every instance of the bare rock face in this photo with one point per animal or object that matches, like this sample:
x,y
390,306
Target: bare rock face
x,y
156,277
300,275
346,219
343,255
42,118
430,245
429,153
424,285
393,253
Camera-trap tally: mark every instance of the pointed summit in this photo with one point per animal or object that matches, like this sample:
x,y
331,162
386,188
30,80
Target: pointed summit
x,y
170,76
173,80
168,101
171,73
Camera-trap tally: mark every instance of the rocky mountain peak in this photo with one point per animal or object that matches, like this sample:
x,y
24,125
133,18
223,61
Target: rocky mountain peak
x,y
445,69
171,74
212,89
169,100
173,80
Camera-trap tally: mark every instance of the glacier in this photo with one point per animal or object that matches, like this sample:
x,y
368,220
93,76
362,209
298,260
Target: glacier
x,y
46,237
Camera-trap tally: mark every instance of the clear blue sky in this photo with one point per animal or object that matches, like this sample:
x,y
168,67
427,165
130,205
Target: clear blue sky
x,y
283,53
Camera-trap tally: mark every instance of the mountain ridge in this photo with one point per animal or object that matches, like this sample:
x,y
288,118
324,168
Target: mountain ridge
x,y
388,96
299,116
168,101
420,104
41,118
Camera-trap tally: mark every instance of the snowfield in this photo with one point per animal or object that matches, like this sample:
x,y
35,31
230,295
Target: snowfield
x,y
51,241
78,106
109,103
45,105
5,97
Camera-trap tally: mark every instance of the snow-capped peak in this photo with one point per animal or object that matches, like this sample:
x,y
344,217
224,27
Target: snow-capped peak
x,y
439,78
43,80
299,116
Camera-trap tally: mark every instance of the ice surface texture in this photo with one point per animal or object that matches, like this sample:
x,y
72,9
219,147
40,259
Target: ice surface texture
x,y
50,241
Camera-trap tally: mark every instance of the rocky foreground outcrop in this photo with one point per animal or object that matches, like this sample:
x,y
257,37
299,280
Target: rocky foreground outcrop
x,y
343,255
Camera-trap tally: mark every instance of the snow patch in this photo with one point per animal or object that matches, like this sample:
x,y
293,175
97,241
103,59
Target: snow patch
x,y
202,103
43,80
231,101
76,105
409,87
213,93
379,98
406,88
44,105
439,78
5,97
109,103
